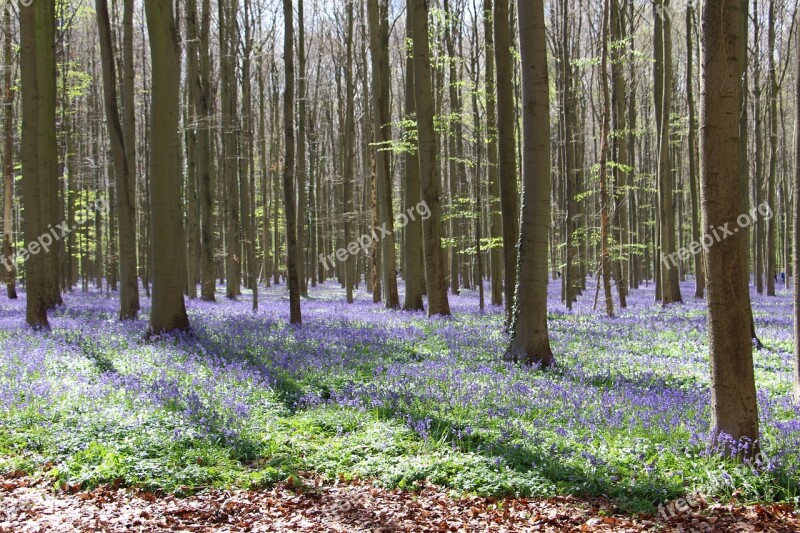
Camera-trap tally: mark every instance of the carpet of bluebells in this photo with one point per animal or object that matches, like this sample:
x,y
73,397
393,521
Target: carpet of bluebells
x,y
395,397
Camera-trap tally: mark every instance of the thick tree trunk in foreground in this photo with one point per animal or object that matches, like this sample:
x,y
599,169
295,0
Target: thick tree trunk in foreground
x,y
530,343
168,310
293,279
438,303
734,408
36,299
125,181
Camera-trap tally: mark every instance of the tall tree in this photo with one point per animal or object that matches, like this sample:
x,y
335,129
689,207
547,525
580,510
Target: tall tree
x,y
228,40
530,342
350,215
302,137
31,31
773,149
699,278
662,92
605,207
438,303
796,229
734,407
413,265
200,90
125,181
378,13
293,279
507,167
168,308
8,152
495,220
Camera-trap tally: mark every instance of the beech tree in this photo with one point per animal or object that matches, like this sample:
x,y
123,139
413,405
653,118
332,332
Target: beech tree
x,y
734,408
168,312
530,342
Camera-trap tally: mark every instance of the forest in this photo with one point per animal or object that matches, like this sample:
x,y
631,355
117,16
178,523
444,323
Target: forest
x,y
400,265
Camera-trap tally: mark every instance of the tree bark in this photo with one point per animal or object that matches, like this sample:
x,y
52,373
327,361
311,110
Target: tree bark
x,y
509,198
413,267
378,13
495,220
734,407
168,309
35,265
530,343
699,278
8,155
438,303
605,259
293,279
125,181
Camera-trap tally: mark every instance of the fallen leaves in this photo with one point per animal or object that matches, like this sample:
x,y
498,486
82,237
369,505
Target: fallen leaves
x,y
309,504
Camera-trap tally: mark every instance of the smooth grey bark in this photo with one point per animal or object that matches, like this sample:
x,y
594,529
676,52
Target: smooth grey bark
x,y
435,283
168,309
733,405
530,343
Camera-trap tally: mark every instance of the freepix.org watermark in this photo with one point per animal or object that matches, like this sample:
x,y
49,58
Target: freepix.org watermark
x,y
376,235
54,235
717,234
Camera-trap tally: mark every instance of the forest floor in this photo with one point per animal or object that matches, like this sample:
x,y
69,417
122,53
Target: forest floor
x,y
301,423
30,506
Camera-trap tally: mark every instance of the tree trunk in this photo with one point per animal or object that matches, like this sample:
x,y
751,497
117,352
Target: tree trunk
x,y
8,155
530,343
35,264
773,152
379,48
436,285
509,198
796,231
125,181
413,267
619,149
301,150
734,408
293,280
495,220
605,207
699,278
662,79
350,215
168,309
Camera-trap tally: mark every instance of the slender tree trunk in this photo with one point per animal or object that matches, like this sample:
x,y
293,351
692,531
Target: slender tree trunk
x,y
662,78
436,285
413,267
125,181
619,149
530,343
168,310
509,197
495,220
796,230
301,149
699,278
293,279
773,152
379,47
8,155
350,215
605,260
733,404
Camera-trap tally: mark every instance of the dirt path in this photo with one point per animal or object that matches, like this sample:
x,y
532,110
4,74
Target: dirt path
x,y
28,506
